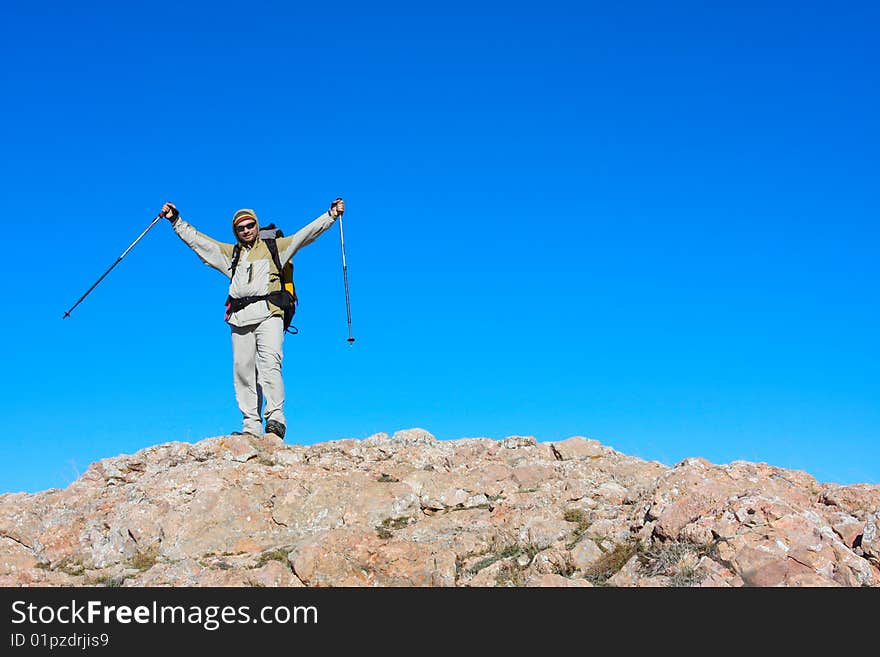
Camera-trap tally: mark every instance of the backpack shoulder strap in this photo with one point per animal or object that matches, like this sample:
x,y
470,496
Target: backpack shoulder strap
x,y
236,255
273,249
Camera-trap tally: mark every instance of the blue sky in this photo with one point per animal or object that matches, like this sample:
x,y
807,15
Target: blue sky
x,y
653,224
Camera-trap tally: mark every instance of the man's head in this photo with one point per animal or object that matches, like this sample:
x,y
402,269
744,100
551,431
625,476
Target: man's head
x,y
245,226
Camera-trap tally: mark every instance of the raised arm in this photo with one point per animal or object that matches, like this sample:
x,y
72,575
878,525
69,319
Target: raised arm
x,y
287,246
213,253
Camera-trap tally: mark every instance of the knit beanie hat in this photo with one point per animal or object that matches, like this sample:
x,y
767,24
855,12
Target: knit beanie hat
x,y
244,213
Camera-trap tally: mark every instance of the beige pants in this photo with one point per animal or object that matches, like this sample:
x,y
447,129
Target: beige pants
x,y
256,360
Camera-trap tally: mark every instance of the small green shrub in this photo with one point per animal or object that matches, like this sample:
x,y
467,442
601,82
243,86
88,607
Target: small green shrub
x,y
385,530
145,560
275,555
612,561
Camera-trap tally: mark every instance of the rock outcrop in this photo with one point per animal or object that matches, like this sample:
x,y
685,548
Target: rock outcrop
x,y
409,510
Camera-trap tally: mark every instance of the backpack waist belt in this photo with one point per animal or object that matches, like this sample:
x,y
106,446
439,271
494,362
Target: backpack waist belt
x,y
233,305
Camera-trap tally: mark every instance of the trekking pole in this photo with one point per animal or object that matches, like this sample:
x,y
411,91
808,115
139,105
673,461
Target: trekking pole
x,y
67,314
345,278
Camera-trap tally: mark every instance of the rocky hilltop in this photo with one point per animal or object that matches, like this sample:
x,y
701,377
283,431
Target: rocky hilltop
x,y
409,510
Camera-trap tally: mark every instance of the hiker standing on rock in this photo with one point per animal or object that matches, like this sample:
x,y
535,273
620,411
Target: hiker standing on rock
x,y
257,323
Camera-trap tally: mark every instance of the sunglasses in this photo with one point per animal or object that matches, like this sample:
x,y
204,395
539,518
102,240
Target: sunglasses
x,y
243,227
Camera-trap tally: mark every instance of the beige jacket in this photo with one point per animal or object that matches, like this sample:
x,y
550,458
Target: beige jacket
x,y
255,274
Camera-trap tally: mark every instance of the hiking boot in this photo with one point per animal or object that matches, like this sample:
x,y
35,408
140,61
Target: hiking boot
x,y
243,433
276,427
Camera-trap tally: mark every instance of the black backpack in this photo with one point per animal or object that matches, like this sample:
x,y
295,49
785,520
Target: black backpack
x,y
285,298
